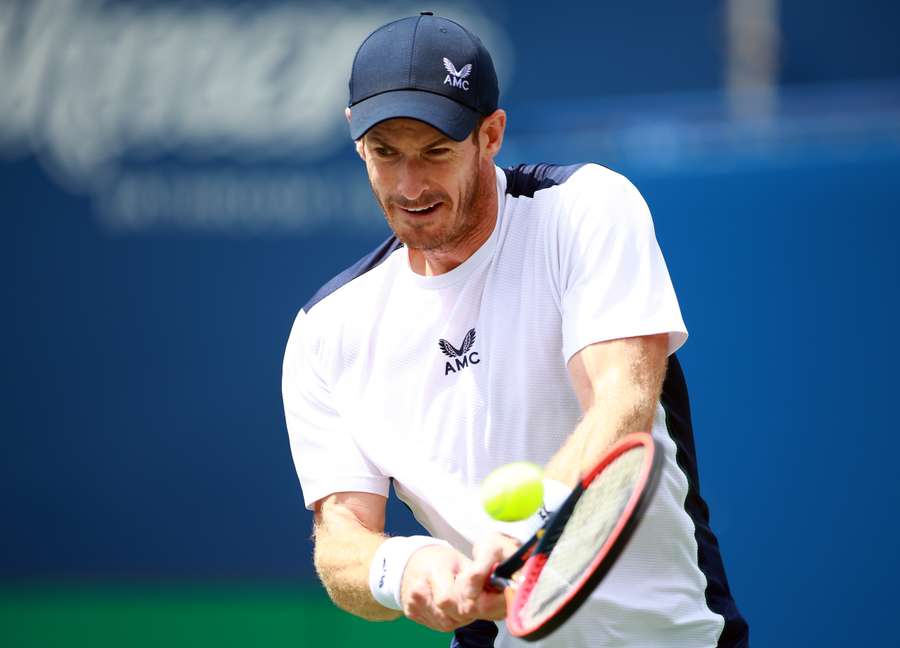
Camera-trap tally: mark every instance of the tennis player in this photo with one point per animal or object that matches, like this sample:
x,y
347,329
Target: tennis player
x,y
515,314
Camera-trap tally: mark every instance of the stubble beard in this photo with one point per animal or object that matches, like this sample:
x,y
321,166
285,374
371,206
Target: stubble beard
x,y
443,235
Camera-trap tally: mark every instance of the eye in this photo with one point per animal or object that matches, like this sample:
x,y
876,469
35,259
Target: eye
x,y
383,151
439,151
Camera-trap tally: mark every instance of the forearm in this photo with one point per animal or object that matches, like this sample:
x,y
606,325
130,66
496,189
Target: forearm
x,y
343,553
603,424
618,386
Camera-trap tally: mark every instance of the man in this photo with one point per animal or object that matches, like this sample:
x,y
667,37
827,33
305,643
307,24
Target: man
x,y
517,314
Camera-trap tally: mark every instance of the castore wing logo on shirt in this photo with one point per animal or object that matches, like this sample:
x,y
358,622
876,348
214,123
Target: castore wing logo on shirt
x,y
457,78
461,356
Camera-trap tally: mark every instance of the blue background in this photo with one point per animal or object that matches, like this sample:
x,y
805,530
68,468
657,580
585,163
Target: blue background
x,y
141,417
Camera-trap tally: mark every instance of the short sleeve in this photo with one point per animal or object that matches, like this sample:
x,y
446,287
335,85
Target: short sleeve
x,y
613,279
326,457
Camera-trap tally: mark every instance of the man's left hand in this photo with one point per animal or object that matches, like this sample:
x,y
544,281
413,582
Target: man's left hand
x,y
474,600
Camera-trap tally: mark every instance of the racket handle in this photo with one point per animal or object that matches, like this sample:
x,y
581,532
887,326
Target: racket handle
x,y
496,583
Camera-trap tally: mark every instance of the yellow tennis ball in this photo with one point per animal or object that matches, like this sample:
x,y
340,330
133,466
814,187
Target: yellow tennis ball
x,y
513,492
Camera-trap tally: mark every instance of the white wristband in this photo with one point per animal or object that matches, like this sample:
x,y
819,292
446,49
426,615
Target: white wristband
x,y
387,567
555,493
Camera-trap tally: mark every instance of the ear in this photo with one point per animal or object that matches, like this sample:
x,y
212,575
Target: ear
x,y
360,149
490,137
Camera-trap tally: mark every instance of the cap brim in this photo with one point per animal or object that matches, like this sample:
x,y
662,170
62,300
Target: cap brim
x,y
453,119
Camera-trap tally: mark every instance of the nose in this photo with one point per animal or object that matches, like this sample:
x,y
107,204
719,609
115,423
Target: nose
x,y
411,181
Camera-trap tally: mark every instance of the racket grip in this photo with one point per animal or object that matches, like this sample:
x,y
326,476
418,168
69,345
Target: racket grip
x,y
496,583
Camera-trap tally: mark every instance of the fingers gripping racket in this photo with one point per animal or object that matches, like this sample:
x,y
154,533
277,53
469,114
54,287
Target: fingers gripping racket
x,y
568,557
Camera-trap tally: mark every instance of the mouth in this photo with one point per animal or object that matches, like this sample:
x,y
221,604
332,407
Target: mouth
x,y
422,210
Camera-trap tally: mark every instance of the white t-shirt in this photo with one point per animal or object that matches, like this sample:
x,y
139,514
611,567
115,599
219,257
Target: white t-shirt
x,y
433,382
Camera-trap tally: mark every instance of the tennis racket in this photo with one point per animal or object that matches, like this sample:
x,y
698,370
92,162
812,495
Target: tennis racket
x,y
568,557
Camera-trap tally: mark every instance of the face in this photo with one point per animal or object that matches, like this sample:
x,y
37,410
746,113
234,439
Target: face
x,y
431,188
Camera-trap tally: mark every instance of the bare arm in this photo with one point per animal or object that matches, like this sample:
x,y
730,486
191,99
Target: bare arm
x,y
618,384
349,528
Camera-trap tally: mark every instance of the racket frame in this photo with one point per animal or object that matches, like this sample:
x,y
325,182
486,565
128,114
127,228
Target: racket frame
x,y
533,555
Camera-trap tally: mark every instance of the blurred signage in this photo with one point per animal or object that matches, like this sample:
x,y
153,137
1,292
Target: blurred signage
x,y
196,116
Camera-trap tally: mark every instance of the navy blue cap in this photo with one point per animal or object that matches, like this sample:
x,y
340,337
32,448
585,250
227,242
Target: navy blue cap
x,y
424,67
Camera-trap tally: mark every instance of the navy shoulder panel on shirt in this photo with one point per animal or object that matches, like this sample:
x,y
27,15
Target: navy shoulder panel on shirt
x,y
361,267
525,179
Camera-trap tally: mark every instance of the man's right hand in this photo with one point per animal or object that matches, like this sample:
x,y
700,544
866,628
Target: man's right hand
x,y
473,598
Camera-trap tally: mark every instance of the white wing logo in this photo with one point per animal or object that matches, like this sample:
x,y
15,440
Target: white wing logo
x,y
459,74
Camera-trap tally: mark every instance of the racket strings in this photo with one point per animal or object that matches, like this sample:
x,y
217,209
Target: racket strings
x,y
587,530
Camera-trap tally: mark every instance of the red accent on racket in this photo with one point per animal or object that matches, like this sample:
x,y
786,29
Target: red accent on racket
x,y
568,557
